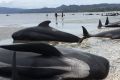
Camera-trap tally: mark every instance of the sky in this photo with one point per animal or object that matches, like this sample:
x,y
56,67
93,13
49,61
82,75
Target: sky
x,y
30,4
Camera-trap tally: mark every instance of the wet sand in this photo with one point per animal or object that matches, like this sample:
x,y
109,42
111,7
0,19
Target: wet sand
x,y
107,48
6,32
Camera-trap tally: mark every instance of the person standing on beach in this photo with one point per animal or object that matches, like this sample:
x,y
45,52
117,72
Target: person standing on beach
x,y
62,18
62,14
47,16
56,17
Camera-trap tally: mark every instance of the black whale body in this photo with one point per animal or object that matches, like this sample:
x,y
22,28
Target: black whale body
x,y
52,62
108,24
43,32
113,34
115,24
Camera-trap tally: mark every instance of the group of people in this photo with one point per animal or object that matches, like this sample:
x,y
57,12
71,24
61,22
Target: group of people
x,y
56,16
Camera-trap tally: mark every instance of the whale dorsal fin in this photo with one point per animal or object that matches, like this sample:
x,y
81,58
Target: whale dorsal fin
x,y
39,48
100,24
44,24
85,32
107,21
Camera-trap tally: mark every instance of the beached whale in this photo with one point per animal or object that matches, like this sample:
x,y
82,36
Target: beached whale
x,y
113,34
110,14
41,61
108,24
43,32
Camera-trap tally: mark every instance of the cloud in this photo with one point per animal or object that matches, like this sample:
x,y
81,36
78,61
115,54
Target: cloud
x,y
6,1
49,3
30,3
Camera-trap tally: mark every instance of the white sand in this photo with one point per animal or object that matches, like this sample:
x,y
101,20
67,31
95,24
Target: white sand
x,y
107,48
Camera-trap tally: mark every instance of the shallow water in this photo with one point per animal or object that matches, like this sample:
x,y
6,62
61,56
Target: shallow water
x,y
70,23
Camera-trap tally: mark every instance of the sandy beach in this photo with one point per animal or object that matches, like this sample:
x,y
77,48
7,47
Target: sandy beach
x,y
107,48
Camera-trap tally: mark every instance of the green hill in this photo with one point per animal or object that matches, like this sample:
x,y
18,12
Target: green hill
x,y
71,8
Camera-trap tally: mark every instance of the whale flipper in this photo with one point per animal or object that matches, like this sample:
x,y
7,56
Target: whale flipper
x,y
40,48
44,24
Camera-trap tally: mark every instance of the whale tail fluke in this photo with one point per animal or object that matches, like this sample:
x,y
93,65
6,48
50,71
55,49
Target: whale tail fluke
x,y
85,32
100,24
107,21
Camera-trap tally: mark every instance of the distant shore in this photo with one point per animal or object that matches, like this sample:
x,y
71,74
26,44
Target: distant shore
x,y
64,8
